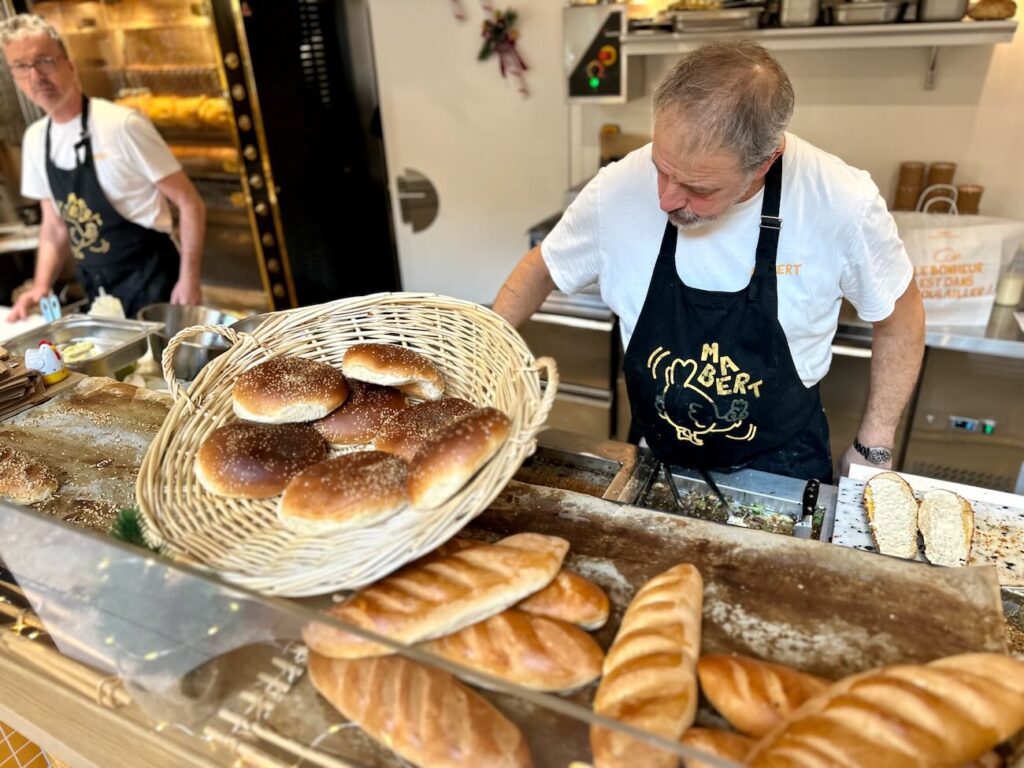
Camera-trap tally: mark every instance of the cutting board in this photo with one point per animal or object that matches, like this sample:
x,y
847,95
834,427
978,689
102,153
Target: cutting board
x,y
998,523
93,436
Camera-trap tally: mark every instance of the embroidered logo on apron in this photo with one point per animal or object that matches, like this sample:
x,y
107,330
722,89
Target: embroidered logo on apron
x,y
717,396
83,226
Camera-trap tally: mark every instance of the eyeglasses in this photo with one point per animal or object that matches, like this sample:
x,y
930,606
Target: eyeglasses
x,y
46,65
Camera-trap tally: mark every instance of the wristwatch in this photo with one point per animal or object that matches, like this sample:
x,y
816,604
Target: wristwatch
x,y
874,455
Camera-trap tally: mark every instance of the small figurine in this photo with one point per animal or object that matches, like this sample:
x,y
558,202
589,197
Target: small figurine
x,y
46,359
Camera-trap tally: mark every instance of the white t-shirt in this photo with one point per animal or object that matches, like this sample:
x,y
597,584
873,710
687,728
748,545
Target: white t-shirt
x,y
129,154
838,240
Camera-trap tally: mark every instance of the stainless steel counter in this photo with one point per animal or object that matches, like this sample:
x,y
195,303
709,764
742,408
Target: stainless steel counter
x,y
1002,337
18,239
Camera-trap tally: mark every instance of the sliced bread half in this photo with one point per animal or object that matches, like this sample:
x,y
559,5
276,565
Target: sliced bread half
x,y
892,513
946,521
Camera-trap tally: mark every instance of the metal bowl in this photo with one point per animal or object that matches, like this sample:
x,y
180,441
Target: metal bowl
x,y
196,352
250,324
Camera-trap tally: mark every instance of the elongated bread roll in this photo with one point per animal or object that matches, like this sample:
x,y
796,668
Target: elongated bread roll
x,y
724,744
441,596
531,651
892,514
946,521
425,715
754,695
650,680
945,713
572,598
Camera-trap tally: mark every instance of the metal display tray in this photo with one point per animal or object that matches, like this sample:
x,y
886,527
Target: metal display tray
x,y
119,342
885,12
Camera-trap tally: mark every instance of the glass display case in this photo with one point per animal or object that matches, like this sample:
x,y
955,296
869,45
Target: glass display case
x,y
218,675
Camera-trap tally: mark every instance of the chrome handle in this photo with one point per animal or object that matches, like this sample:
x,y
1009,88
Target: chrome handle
x,y
845,350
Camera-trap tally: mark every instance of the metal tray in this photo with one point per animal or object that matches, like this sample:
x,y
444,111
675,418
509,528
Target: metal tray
x,y
717,20
865,13
120,342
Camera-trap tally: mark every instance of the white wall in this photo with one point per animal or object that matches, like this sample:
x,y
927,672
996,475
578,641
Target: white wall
x,y
870,108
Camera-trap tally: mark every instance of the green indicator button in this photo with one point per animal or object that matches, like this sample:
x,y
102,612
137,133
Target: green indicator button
x,y
594,83
988,429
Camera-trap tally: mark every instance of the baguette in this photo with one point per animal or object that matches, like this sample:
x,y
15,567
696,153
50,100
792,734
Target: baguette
x,y
531,651
753,695
649,679
946,521
440,596
892,514
424,714
945,713
723,744
572,598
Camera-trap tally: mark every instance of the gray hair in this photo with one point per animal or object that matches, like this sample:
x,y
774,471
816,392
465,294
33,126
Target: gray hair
x,y
26,25
734,96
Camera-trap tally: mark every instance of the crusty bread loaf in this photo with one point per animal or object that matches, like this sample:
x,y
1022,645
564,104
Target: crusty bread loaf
x,y
406,432
992,10
288,389
571,598
360,418
255,461
531,651
946,521
423,714
24,480
650,680
892,514
754,695
724,744
434,598
350,491
393,366
942,714
450,458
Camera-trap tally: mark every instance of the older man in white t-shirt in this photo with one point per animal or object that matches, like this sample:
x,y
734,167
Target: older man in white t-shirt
x,y
105,178
725,248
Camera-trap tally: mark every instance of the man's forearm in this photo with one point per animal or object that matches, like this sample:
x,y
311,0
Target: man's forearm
x,y
49,260
525,290
192,231
897,348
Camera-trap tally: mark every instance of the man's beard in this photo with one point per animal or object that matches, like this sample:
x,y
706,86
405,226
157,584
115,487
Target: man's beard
x,y
684,219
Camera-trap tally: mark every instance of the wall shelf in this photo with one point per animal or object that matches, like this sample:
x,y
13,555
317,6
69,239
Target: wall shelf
x,y
902,35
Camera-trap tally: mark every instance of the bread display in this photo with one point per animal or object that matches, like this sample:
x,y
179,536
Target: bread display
x,y
723,744
256,461
754,695
349,491
571,598
358,420
650,679
892,514
423,714
394,366
24,480
180,112
440,596
531,651
946,713
288,389
453,455
405,433
992,10
946,522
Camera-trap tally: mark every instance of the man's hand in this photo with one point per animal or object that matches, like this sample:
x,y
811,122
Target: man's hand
x,y
24,304
186,291
853,456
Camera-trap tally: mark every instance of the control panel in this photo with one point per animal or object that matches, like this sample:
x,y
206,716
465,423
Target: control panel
x,y
596,63
967,424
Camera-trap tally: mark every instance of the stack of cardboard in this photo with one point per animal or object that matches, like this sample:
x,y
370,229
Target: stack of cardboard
x,y
18,387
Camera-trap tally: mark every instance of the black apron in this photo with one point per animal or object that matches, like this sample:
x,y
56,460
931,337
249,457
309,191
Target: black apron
x,y
136,264
711,381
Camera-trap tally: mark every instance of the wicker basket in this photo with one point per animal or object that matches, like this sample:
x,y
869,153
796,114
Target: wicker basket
x,y
484,361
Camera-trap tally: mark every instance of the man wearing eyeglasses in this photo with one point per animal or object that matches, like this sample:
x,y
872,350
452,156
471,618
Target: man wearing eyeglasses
x,y
104,177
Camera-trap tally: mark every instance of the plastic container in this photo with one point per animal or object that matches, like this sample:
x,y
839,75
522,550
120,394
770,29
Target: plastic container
x,y
1010,289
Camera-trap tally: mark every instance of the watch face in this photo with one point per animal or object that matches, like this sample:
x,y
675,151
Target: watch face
x,y
879,455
